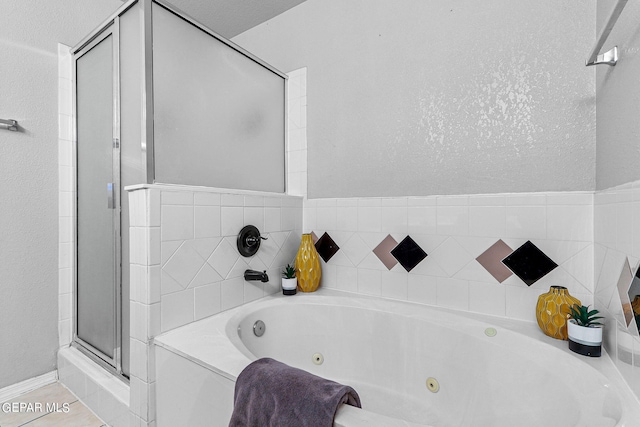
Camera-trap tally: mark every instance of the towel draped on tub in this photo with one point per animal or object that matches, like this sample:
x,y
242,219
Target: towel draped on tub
x,y
269,393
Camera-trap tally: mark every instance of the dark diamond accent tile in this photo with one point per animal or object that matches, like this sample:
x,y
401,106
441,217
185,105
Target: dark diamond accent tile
x,y
326,247
491,260
529,263
408,253
383,252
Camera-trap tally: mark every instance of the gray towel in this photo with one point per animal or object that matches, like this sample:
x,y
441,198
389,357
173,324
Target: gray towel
x,y
271,394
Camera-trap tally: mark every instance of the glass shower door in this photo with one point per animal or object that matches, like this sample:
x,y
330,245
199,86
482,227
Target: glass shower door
x,y
98,208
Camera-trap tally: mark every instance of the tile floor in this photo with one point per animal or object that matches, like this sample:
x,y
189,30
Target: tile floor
x,y
51,406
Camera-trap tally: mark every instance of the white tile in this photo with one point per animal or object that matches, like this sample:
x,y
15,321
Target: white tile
x,y
66,205
168,284
394,285
421,201
421,219
326,218
394,219
291,218
252,291
452,200
272,220
369,218
206,199
570,222
487,200
184,264
347,218
369,282
347,278
232,293
487,221
207,221
254,216
64,97
177,222
422,289
526,199
570,198
232,199
453,293
205,276
223,258
487,298
208,300
268,251
451,256
526,222
65,155
355,249
453,220
154,208
177,309
177,198
521,302
624,222
232,220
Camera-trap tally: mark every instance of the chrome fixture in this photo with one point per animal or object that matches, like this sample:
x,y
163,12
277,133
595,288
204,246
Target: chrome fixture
x,y
253,275
611,56
248,241
12,125
259,328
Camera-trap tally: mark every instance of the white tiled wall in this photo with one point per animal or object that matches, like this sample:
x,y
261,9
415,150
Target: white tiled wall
x,y
297,132
66,196
454,230
617,248
185,264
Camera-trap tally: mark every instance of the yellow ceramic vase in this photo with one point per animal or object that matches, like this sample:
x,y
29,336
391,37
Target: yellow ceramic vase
x,y
552,311
308,265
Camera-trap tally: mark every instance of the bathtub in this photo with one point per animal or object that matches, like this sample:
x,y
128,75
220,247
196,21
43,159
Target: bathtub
x,y
412,365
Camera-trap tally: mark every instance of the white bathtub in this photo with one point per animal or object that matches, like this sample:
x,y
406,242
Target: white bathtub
x,y
387,350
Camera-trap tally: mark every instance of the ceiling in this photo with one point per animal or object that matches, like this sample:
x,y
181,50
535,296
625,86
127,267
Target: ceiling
x,y
232,17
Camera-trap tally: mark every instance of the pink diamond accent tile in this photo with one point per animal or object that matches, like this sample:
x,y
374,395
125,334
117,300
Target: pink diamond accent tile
x,y
383,252
314,237
491,260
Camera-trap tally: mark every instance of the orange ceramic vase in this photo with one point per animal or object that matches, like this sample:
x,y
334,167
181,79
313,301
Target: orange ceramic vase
x,y
552,311
308,265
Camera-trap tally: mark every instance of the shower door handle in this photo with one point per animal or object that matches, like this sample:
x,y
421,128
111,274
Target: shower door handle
x,y
111,204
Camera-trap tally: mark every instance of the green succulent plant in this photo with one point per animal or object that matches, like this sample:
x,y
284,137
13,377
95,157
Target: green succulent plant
x,y
289,272
584,317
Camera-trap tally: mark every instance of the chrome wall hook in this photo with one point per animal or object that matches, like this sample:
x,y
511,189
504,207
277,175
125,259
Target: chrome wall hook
x,y
11,124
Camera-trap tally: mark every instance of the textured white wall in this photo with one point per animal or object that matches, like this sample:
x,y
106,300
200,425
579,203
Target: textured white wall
x,y
618,93
448,97
29,34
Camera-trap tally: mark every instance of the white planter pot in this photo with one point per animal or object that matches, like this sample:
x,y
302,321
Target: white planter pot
x,y
584,340
289,286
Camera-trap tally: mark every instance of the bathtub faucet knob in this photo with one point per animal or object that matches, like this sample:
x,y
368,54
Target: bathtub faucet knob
x,y
256,275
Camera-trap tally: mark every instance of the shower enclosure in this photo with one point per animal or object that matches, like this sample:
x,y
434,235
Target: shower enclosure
x,y
159,98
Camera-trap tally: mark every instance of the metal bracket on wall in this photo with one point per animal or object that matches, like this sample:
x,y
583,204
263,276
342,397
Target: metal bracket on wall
x,y
610,57
12,125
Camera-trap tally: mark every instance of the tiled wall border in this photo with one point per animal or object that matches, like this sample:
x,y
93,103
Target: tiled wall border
x,y
185,266
66,196
297,132
454,231
617,248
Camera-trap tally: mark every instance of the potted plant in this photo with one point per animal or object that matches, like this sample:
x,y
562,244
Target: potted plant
x,y
289,280
585,331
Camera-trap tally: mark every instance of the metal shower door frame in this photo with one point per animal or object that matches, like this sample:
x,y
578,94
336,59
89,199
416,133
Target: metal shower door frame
x,y
112,364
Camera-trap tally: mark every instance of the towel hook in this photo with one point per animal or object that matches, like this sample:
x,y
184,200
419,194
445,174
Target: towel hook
x,y
11,124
